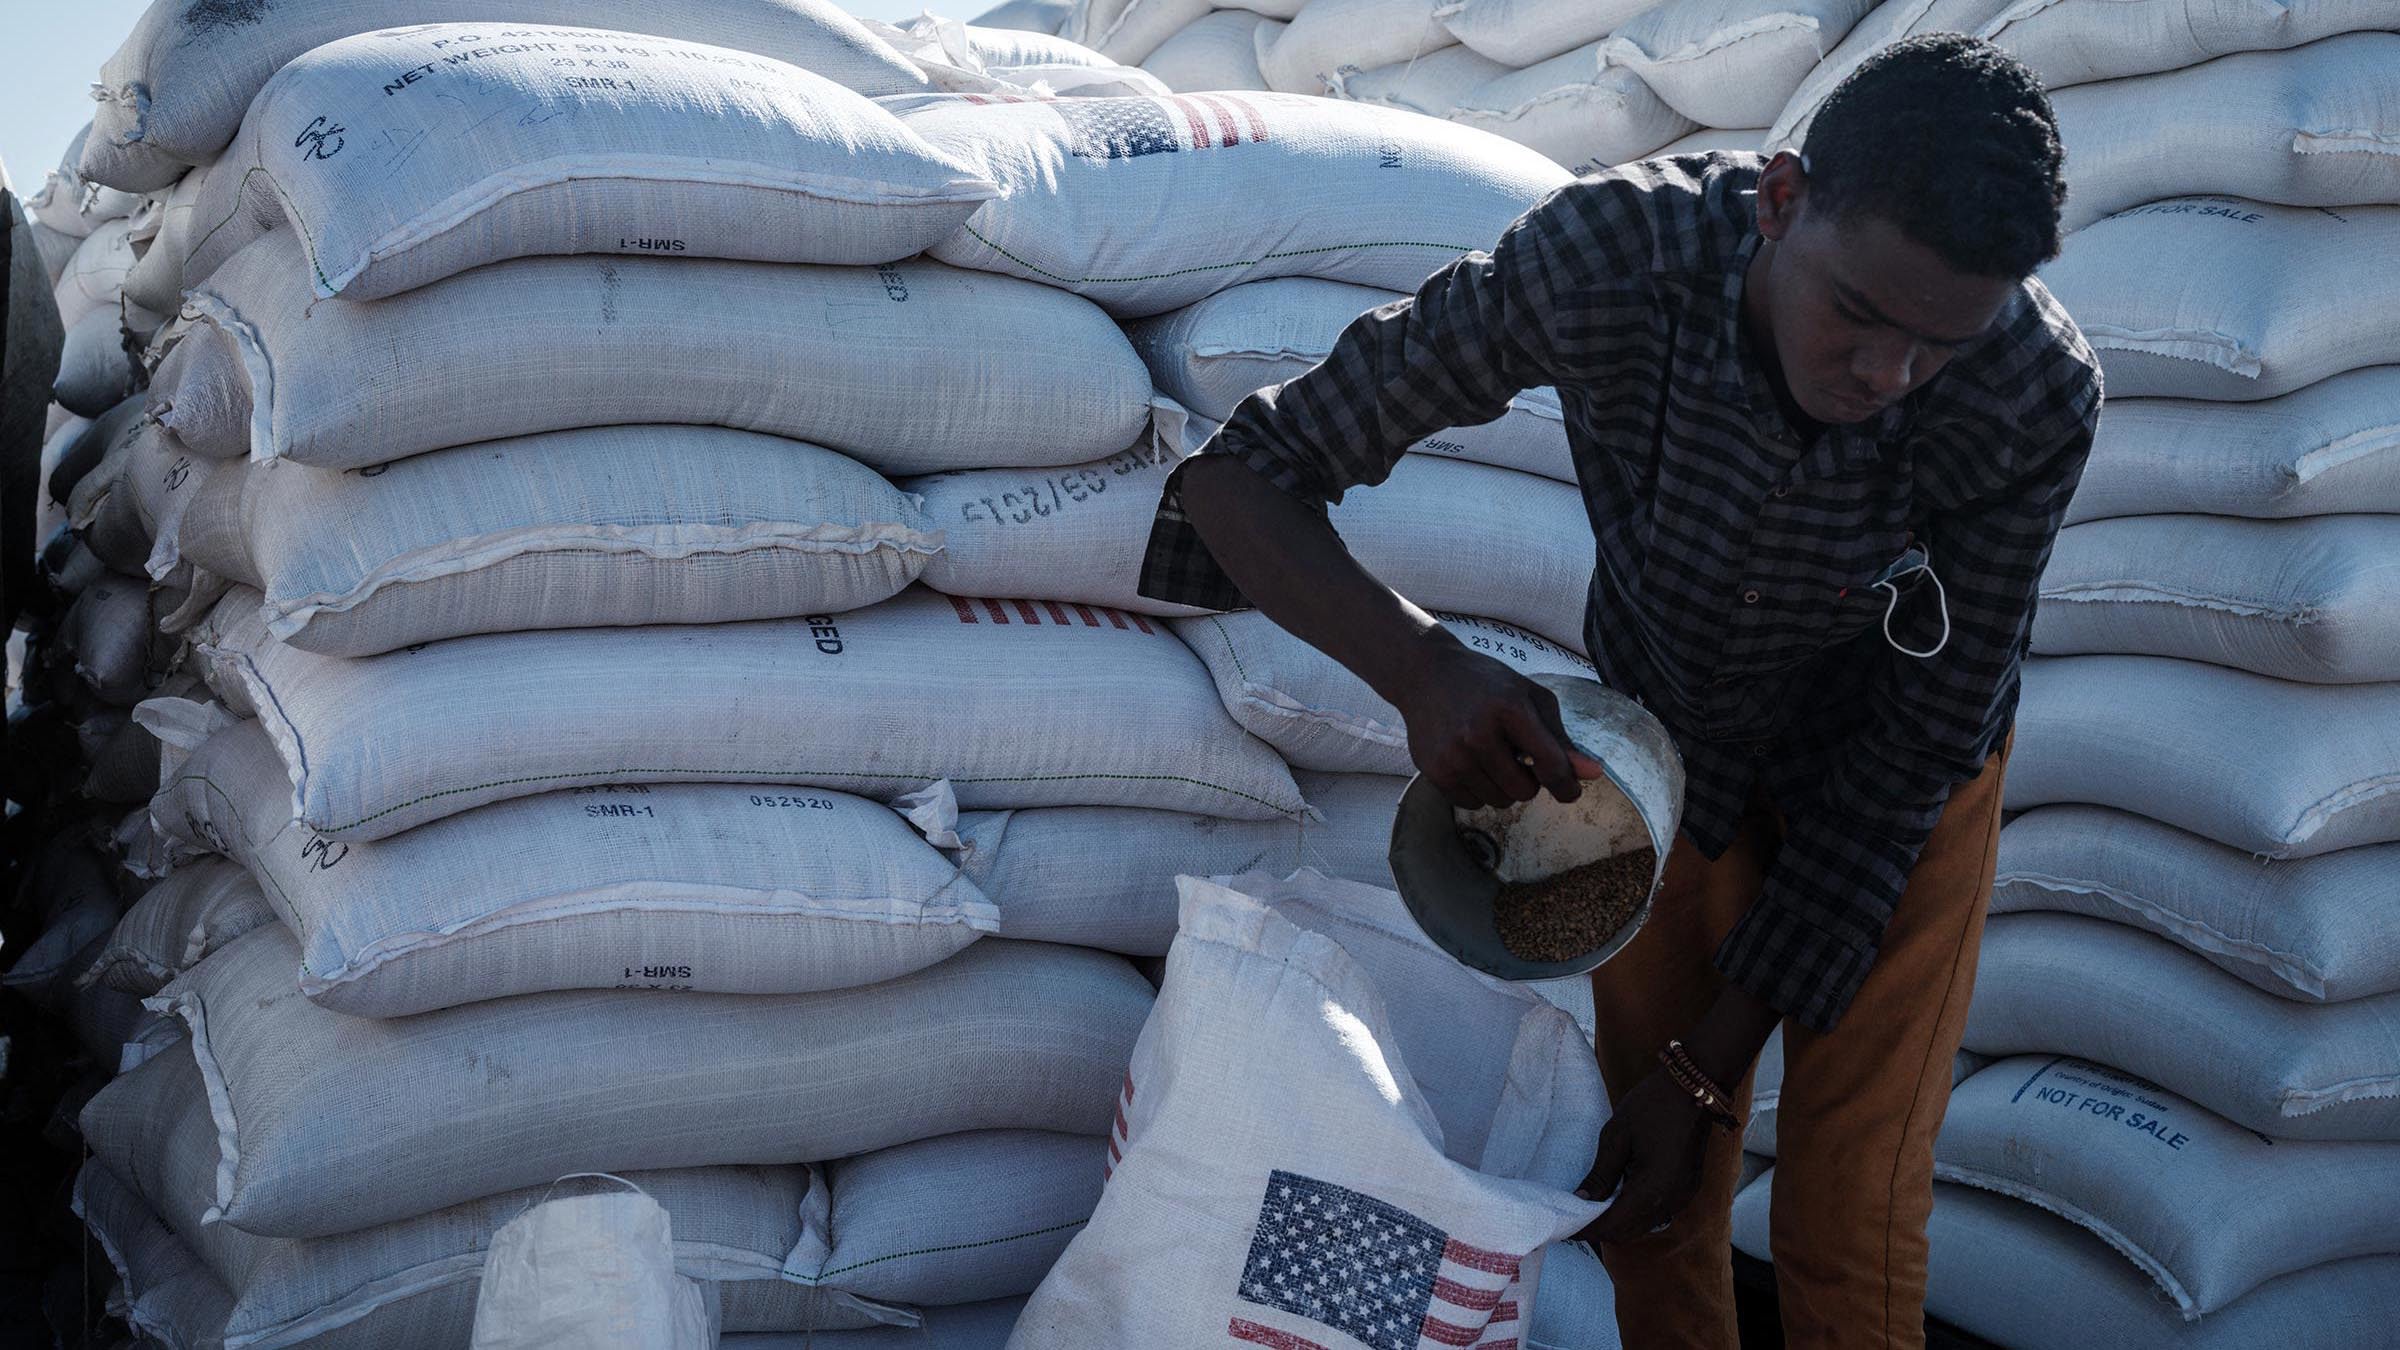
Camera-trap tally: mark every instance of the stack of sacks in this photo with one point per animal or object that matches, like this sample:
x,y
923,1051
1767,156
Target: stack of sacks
x,y
565,647
1588,84
2189,977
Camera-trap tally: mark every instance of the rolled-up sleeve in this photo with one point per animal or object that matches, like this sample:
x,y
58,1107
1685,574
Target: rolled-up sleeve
x,y
1476,334
1851,841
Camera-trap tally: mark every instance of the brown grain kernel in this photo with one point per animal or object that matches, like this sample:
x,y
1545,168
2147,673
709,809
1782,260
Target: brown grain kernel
x,y
1576,912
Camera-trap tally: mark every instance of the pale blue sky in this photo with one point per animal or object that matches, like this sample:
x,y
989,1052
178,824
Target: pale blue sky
x,y
51,49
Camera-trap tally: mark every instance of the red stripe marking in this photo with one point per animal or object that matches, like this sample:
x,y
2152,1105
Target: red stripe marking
x,y
1122,1131
1458,1253
992,607
1509,1344
1057,615
1143,624
1506,1312
1027,612
1461,1296
1199,128
1091,620
966,612
1115,1155
1258,124
1232,135
1114,617
1448,1333
1128,1094
1243,1329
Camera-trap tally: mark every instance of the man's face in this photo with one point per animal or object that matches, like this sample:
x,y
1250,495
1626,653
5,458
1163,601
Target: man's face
x,y
1861,314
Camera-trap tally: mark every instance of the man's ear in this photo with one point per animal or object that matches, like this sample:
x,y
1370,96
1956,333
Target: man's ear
x,y
1782,190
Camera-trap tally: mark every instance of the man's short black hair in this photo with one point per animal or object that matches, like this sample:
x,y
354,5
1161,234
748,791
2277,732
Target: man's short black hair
x,y
1953,141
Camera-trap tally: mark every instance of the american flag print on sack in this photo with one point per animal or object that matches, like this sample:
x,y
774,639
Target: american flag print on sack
x,y
1371,1271
1128,128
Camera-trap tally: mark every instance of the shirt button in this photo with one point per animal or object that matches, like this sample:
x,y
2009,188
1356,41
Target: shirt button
x,y
1783,490
1750,597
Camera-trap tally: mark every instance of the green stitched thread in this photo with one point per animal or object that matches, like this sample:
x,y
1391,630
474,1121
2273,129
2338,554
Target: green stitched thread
x,y
953,1247
1206,267
779,775
1219,625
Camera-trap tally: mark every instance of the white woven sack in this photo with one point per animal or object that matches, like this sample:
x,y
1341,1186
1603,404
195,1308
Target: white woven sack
x,y
997,370
54,248
1006,1035
1529,32
1073,706
197,909
689,886
72,204
597,527
1508,1075
1316,713
2314,600
591,1271
112,634
1577,109
1432,84
176,91
969,1326
2331,447
1218,50
1147,205
1211,355
2263,299
2110,993
163,1291
1030,16
95,371
2312,929
117,507
967,59
1273,1126
95,276
156,279
1712,140
2073,42
201,394
1732,63
1075,534
1989,1253
960,1219
1104,876
1472,539
2207,1209
2278,769
1141,27
1326,35
666,147
413,1281
2315,126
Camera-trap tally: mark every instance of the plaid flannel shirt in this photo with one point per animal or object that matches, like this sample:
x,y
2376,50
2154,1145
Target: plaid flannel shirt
x,y
1732,591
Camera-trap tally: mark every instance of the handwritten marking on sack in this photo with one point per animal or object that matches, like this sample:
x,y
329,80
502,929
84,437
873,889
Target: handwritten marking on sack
x,y
793,802
179,472
322,854
895,287
320,139
1390,155
1031,612
1038,499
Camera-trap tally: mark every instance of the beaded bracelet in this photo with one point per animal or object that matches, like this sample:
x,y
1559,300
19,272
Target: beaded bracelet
x,y
1714,1102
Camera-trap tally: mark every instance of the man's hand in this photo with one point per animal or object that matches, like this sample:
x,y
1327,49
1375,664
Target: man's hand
x,y
1652,1148
1484,734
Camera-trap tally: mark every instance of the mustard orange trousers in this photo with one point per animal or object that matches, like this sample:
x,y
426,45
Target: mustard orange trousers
x,y
1854,1128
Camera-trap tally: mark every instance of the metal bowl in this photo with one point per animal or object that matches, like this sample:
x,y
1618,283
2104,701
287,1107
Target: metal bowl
x,y
1450,863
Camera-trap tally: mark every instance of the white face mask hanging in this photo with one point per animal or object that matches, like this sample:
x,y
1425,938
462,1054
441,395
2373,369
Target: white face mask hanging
x,y
1916,559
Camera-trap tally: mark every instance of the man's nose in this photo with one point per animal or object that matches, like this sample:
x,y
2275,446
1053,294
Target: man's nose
x,y
1886,368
